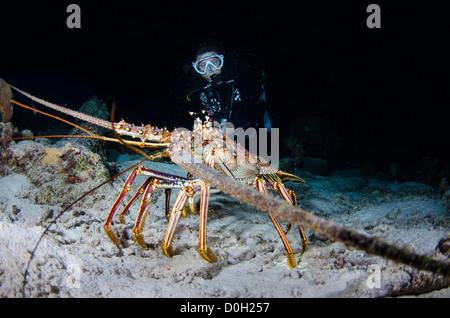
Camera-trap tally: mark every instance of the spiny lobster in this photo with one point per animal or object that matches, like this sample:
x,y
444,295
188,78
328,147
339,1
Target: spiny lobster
x,y
207,147
206,144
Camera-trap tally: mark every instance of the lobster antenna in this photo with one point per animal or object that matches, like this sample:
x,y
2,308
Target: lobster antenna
x,y
70,112
55,117
158,155
91,134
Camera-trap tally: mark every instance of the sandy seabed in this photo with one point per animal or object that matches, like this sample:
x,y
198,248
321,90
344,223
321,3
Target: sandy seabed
x,y
76,259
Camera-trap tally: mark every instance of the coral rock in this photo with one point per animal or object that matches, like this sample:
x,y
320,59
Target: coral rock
x,y
6,106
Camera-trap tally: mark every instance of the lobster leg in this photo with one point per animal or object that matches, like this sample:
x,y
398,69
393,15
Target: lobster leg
x,y
138,193
289,196
156,180
167,192
205,252
294,203
140,220
125,189
292,262
178,207
152,185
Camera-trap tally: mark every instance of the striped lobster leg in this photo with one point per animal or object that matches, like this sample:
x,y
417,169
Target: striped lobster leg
x,y
156,180
186,194
289,196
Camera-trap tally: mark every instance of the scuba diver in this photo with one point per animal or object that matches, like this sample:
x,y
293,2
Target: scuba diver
x,y
230,86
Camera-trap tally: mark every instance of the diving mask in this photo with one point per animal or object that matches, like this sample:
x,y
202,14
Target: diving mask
x,y
208,64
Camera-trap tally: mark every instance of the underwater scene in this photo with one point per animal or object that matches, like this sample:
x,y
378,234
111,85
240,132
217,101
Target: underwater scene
x,y
225,149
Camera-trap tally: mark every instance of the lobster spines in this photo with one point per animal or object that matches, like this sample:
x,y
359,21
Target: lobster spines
x,y
145,133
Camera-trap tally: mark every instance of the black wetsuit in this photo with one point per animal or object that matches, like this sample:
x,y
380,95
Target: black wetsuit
x,y
236,95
